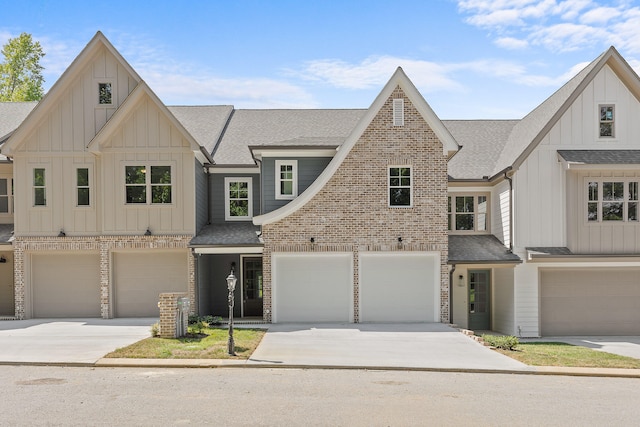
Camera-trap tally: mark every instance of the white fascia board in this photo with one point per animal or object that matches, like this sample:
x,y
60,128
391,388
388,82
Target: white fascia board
x,y
223,170
228,250
315,152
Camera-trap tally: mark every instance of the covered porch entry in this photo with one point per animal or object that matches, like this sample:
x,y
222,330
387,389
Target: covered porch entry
x,y
219,250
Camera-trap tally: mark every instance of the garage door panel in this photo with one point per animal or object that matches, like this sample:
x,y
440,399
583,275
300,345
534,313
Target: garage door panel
x,y
398,287
140,278
590,301
65,285
312,288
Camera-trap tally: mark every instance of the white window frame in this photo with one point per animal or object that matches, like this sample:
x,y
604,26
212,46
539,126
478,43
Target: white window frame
x,y
148,184
451,213
279,180
612,121
389,186
227,200
600,200
398,112
99,82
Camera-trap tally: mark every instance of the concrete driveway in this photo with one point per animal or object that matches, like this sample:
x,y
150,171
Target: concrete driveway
x,y
414,345
68,340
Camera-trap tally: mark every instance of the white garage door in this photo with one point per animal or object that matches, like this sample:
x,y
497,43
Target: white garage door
x,y
312,287
140,278
65,285
590,301
397,287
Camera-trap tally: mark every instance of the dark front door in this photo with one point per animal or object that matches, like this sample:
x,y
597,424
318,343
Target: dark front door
x,y
479,299
252,286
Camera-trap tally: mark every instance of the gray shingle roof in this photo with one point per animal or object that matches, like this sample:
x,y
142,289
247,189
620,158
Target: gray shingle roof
x,y
12,114
228,234
278,127
479,249
205,123
601,157
482,142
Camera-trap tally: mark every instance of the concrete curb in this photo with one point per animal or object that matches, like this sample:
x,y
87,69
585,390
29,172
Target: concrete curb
x,y
227,363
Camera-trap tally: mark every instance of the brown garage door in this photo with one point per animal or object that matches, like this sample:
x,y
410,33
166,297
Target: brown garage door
x,y
65,285
141,277
590,301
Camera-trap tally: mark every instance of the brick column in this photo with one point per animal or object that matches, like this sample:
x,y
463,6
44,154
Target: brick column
x,y
18,274
105,268
168,306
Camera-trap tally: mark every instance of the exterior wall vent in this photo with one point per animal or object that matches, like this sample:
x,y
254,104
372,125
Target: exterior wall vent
x,y
398,112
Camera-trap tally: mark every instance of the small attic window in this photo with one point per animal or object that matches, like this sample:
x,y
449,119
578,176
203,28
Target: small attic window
x,y
607,120
104,94
398,112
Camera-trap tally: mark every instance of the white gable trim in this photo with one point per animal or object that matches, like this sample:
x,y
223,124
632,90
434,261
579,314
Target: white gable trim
x,y
127,107
399,78
69,75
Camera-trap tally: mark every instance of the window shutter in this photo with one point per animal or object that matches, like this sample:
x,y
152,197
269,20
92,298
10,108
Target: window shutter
x,y
398,112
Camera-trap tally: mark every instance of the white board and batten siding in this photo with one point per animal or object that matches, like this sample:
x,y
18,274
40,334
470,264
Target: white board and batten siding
x,y
148,138
58,144
541,181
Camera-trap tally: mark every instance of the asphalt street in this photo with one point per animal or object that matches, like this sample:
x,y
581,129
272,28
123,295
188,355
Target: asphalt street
x,y
83,396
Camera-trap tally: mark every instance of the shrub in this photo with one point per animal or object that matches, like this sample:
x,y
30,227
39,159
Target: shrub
x,y
155,329
508,342
198,327
193,318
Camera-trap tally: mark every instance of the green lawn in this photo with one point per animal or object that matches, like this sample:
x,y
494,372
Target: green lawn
x,y
563,354
211,343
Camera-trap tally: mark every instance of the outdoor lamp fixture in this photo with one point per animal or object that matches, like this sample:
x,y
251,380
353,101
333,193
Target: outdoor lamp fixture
x,y
461,280
231,286
312,240
148,232
3,259
62,233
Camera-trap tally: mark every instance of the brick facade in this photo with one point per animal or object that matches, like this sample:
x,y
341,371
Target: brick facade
x,y
104,245
351,213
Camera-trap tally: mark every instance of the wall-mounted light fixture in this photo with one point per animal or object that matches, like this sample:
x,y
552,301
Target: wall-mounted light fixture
x,y
461,280
62,233
312,240
2,259
148,232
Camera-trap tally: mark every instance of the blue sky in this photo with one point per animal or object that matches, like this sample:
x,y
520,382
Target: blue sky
x,y
470,59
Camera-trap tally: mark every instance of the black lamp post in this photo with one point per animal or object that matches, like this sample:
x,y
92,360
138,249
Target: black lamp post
x,y
231,285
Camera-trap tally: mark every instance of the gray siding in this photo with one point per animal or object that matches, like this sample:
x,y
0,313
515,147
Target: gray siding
x,y
217,195
202,213
212,285
308,170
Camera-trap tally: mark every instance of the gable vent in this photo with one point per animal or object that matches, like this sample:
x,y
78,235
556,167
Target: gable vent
x,y
398,112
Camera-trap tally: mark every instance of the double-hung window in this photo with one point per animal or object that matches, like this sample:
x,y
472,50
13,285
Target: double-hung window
x,y
238,199
82,187
39,187
468,213
400,186
286,179
6,195
612,200
607,121
148,184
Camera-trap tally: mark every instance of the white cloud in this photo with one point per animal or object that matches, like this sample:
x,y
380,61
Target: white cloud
x,y
376,71
511,43
558,26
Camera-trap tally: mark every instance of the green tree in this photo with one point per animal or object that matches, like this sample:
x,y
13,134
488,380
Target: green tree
x,y
20,71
